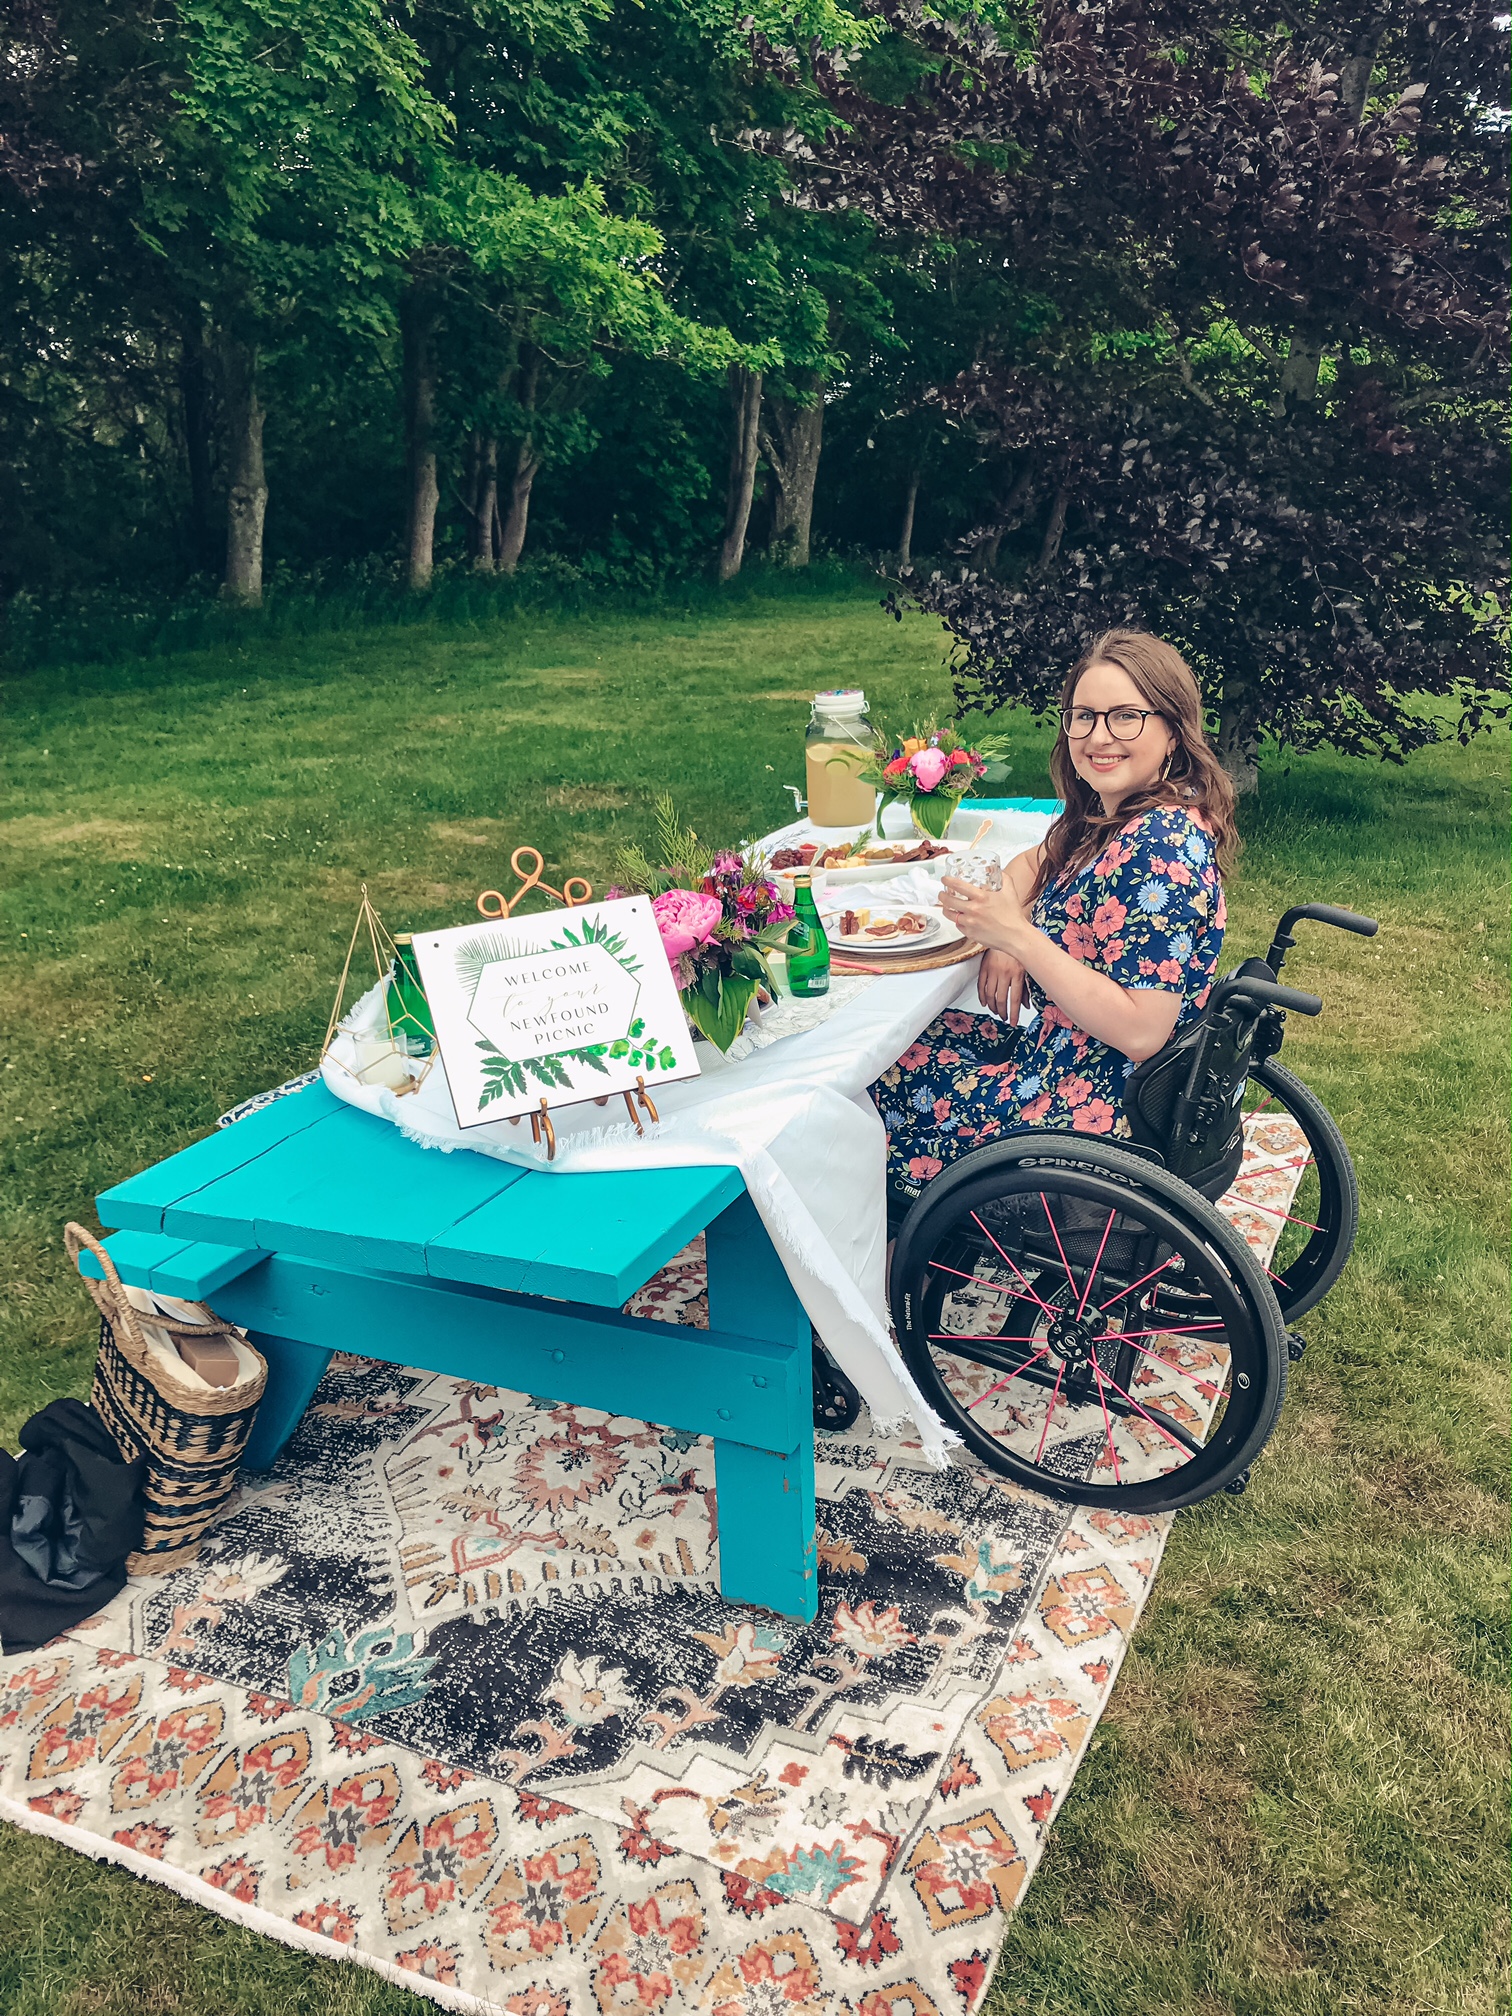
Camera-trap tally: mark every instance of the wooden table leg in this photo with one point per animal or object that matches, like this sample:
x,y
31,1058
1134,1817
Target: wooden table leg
x,y
294,1371
765,1497
766,1528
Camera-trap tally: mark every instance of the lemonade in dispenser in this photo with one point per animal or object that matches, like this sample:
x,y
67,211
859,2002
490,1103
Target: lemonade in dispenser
x,y
837,748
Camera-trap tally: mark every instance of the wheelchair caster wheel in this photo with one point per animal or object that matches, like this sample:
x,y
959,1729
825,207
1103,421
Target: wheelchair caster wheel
x,y
836,1401
1296,1344
1237,1486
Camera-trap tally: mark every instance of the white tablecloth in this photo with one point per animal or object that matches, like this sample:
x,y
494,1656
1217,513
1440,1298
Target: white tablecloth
x,y
793,1116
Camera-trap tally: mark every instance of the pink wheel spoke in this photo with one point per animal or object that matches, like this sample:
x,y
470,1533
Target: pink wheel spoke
x,y
1016,1268
1275,1169
1254,1204
978,1337
1137,1284
1095,1265
997,1287
1204,1386
1058,1246
1174,1440
1256,1110
989,1393
1176,1330
1008,1381
1275,1277
1050,1412
1107,1419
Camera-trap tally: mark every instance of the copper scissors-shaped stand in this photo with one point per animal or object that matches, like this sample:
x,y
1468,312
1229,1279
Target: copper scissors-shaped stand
x,y
572,892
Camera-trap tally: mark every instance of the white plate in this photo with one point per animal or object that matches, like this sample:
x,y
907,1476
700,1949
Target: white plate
x,y
872,871
941,932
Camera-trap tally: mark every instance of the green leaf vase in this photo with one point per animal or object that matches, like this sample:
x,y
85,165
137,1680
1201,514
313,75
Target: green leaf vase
x,y
932,812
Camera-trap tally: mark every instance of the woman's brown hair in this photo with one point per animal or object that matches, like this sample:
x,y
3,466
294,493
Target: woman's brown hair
x,y
1194,778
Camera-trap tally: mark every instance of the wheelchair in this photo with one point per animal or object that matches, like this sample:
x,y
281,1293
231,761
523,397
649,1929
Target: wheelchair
x,y
1081,1311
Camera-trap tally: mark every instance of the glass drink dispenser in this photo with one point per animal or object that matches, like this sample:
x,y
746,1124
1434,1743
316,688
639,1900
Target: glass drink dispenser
x,y
837,748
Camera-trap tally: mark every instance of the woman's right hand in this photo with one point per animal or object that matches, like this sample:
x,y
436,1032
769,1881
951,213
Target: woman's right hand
x,y
1000,986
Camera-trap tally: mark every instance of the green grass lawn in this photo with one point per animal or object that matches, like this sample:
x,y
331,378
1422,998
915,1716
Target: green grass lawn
x,y
1295,1804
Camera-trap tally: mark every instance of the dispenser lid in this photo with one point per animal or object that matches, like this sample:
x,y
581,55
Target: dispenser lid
x,y
840,700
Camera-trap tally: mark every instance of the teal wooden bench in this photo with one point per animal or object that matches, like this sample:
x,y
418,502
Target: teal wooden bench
x,y
320,1229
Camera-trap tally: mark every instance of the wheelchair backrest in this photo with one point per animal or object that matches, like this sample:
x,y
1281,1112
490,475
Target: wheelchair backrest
x,y
1187,1101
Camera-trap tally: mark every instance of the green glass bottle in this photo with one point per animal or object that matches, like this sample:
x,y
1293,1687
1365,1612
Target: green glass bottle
x,y
408,1010
808,953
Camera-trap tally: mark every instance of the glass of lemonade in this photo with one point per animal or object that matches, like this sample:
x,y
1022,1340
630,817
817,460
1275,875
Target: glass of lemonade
x,y
837,748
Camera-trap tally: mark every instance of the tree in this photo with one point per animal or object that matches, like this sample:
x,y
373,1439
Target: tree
x,y
896,445
304,164
88,331
1262,410
556,260
228,228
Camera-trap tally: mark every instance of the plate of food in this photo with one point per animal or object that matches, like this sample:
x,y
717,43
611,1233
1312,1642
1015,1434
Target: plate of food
x,y
881,929
864,859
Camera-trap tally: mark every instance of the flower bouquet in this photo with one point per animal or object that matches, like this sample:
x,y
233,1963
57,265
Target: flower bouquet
x,y
931,772
718,915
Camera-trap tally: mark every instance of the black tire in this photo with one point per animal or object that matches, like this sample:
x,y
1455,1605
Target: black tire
x,y
1109,1212
837,1403
1327,1205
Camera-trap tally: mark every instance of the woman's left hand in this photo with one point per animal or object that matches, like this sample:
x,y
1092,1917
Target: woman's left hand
x,y
992,917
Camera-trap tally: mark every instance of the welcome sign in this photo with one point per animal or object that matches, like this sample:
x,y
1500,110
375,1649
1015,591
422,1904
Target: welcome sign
x,y
562,1006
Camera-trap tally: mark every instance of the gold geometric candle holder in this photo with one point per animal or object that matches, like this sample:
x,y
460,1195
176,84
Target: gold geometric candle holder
x,y
409,1034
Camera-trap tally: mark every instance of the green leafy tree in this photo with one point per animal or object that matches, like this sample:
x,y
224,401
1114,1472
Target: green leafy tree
x,y
304,161
556,262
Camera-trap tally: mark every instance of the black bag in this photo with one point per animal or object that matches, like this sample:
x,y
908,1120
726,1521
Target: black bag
x,y
70,1512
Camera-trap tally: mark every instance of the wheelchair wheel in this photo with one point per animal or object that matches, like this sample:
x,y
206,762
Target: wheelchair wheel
x,y
1091,1326
1292,1128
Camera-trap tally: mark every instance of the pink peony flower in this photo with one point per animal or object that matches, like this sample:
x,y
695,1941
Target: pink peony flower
x,y
685,919
928,767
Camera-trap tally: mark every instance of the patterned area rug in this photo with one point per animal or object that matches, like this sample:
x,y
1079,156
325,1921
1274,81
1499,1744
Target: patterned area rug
x,y
452,1692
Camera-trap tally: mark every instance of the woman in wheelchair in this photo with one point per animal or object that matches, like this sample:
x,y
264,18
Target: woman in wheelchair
x,y
1111,929
1063,1286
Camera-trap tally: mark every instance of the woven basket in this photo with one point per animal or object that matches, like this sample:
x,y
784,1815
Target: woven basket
x,y
192,1434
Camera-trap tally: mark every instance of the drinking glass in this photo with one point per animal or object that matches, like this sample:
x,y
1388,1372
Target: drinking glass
x,y
983,871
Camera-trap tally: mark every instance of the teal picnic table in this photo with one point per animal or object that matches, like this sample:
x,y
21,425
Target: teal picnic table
x,y
319,1229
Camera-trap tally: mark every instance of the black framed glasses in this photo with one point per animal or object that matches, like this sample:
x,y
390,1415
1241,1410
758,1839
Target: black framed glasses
x,y
1125,724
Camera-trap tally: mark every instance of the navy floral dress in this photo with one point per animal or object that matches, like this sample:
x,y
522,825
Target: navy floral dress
x,y
1148,912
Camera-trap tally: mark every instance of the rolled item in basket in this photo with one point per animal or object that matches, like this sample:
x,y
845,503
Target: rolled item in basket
x,y
207,1351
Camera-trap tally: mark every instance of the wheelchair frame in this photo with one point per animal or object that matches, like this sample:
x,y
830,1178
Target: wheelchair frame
x,y
1041,1221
